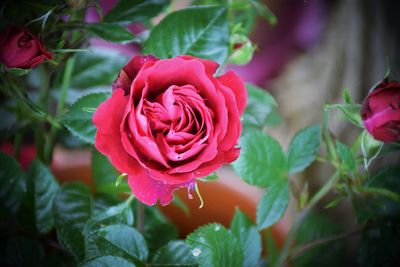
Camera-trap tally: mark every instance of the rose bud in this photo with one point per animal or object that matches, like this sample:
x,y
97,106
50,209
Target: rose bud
x,y
169,122
20,49
129,72
242,50
380,112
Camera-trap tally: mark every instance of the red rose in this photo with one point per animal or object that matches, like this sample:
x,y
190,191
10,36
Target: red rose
x,y
169,122
20,49
381,112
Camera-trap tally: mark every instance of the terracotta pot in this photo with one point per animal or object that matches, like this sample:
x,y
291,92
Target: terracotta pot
x,y
221,197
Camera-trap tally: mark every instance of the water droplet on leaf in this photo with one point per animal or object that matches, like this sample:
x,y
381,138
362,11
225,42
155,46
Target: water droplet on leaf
x,y
196,252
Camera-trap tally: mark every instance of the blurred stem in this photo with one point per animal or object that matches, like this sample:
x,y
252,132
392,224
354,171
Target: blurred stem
x,y
40,126
379,191
296,253
44,87
326,136
140,217
284,255
17,144
66,81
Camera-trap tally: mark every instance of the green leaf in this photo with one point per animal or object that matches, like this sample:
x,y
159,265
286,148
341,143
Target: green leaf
x,y
375,206
158,231
12,184
347,161
379,245
243,228
117,240
110,32
18,72
264,11
346,97
303,148
214,246
273,205
108,261
260,105
43,192
271,247
121,213
314,227
203,34
240,221
72,208
351,113
96,69
102,202
105,175
128,11
261,161
22,251
78,121
175,253
209,178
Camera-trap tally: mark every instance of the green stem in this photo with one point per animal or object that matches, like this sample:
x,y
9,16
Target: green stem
x,y
44,88
323,241
379,191
326,136
299,219
40,127
140,217
17,144
49,144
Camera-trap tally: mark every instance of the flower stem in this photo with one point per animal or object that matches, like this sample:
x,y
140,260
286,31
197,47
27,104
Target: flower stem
x,y
322,241
379,191
49,144
140,217
284,255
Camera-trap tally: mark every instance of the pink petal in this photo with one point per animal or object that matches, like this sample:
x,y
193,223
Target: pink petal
x,y
211,66
235,83
149,191
107,119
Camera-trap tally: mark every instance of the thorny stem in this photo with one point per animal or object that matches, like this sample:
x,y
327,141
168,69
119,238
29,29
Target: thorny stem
x,y
284,255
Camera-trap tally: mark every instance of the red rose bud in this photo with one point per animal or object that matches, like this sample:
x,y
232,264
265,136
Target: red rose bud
x,y
242,49
129,72
20,49
380,112
177,123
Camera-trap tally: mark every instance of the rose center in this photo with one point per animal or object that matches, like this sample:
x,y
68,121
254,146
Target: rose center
x,y
24,41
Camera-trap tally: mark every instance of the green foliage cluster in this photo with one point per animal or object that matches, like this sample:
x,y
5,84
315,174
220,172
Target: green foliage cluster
x,y
44,223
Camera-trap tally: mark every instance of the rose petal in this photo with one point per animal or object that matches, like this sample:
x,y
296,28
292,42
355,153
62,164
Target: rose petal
x,y
149,191
234,126
108,136
233,81
210,66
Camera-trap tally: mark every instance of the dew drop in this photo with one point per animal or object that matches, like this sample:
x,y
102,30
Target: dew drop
x,y
196,252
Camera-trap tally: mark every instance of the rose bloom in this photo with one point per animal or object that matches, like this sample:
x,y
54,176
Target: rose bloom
x,y
169,122
380,112
20,49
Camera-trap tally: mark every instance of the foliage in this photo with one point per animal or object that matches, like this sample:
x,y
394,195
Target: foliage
x,y
45,223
